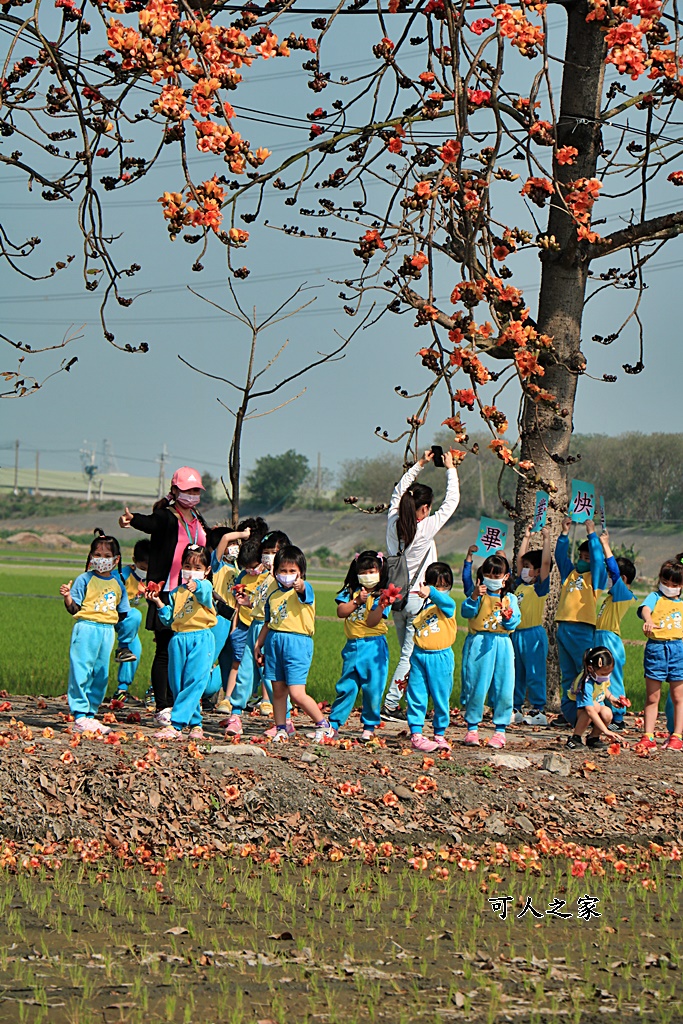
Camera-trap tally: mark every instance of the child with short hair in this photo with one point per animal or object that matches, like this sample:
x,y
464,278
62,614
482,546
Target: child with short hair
x,y
97,599
251,603
190,613
365,656
224,570
590,692
577,609
622,573
494,613
127,630
662,614
285,643
432,662
530,640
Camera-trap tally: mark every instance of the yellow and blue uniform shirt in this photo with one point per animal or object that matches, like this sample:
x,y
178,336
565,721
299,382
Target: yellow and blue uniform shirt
x,y
531,598
667,616
485,614
258,588
355,624
287,612
579,594
591,693
615,605
187,612
135,586
224,575
435,625
101,598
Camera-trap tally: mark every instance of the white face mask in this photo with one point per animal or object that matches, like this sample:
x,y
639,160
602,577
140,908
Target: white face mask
x,y
268,561
527,576
101,564
192,574
140,573
492,584
601,679
232,551
287,579
669,591
369,580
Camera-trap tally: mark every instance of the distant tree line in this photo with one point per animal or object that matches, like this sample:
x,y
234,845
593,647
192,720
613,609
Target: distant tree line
x,y
639,475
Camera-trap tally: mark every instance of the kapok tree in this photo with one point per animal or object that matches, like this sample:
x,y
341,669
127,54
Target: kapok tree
x,y
477,168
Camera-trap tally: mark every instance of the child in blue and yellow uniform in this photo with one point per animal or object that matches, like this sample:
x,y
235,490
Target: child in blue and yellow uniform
x,y
130,649
190,613
432,661
530,640
622,573
577,609
468,588
251,601
662,615
224,570
589,691
365,657
493,612
97,599
285,643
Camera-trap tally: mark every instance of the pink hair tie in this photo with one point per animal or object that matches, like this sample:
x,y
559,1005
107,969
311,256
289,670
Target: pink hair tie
x,y
380,555
356,556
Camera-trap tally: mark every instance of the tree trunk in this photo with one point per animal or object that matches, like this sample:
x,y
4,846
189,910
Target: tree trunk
x,y
546,432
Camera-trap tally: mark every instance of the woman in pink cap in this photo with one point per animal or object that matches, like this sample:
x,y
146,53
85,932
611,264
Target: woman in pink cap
x,y
174,523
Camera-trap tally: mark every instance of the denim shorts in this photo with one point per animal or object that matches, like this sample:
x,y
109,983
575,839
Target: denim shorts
x,y
663,660
238,641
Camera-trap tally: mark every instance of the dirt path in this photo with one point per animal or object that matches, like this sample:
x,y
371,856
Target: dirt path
x,y
134,790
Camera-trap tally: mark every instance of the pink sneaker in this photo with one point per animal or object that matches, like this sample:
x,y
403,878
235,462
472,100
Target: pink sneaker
x,y
234,727
197,733
471,738
90,725
168,733
497,740
421,743
271,733
442,743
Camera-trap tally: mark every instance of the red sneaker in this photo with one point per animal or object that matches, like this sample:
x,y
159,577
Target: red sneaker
x,y
673,743
647,744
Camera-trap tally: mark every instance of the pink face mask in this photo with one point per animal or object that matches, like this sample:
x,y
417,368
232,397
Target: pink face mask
x,y
188,500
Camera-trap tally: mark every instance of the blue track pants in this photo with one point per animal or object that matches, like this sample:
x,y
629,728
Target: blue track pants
x,y
127,635
364,667
464,683
91,644
190,657
573,640
531,657
490,670
431,675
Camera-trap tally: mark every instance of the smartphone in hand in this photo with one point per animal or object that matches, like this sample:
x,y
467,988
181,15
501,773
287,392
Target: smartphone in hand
x,y
437,452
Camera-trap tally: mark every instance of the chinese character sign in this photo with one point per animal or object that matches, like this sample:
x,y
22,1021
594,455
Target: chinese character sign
x,y
541,511
492,536
582,505
603,519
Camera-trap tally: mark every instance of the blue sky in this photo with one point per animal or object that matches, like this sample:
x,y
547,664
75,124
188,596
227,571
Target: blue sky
x,y
143,402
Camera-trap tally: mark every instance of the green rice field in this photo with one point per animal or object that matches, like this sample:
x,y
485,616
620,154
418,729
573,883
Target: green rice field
x,y
34,640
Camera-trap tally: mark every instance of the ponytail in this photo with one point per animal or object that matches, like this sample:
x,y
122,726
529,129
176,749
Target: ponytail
x,y
415,497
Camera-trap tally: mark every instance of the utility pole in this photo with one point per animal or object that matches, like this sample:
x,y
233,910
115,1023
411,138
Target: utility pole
x,y
161,489
16,467
319,480
37,487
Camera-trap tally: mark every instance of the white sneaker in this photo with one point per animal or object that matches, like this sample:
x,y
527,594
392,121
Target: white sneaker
x,y
518,718
91,725
538,719
325,732
163,717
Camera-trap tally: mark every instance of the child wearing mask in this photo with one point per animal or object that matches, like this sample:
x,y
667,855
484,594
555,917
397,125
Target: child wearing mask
x,y
662,615
530,640
127,630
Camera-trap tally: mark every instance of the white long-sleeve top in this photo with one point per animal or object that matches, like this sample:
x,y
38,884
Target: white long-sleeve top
x,y
427,528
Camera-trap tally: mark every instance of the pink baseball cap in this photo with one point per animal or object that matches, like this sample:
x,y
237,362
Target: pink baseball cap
x,y
186,478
